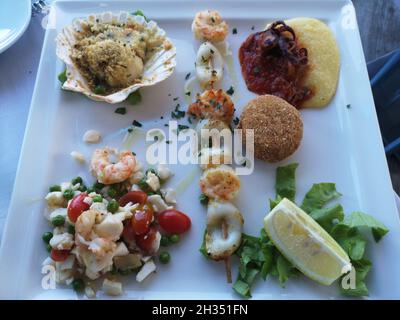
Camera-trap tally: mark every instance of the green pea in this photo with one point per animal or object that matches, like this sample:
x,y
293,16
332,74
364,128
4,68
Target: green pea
x,y
164,257
78,285
203,199
48,247
47,237
99,89
174,238
113,206
97,198
77,180
55,187
164,241
58,221
71,229
112,192
68,194
98,186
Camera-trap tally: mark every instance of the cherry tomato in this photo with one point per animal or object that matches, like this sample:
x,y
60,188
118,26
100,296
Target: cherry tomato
x,y
77,206
59,255
134,197
128,234
146,241
173,221
141,219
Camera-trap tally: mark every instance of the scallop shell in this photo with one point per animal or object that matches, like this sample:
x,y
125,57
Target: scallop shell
x,y
158,68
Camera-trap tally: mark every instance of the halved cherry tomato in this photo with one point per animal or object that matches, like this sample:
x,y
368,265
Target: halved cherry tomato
x,y
128,234
146,241
134,197
77,206
173,221
59,255
141,219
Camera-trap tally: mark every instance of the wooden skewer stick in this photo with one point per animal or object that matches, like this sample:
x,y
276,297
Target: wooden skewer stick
x,y
228,266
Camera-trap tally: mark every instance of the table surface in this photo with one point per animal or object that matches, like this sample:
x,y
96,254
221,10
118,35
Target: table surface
x,y
18,66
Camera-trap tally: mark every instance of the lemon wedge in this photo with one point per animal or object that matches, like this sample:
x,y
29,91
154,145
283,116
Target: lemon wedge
x,y
305,243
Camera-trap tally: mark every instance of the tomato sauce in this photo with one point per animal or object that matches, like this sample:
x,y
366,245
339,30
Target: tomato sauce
x,y
273,63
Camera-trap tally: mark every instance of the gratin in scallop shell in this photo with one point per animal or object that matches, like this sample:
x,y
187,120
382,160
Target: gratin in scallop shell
x,y
158,68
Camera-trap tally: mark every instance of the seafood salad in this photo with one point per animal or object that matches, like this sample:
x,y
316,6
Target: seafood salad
x,y
115,227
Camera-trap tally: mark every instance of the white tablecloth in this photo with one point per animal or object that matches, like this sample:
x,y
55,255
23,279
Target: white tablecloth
x,y
18,66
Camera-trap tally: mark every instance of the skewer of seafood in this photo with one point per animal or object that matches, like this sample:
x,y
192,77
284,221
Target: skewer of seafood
x,y
215,109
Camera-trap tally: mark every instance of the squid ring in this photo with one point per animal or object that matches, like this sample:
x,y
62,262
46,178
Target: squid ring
x,y
218,244
209,65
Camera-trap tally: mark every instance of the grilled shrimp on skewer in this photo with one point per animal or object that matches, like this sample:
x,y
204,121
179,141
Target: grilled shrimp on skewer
x,y
220,183
208,25
214,105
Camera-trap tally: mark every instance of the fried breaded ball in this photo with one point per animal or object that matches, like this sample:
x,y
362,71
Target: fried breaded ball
x,y
278,128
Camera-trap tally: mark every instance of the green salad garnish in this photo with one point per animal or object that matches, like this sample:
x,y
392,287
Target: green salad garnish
x,y
258,257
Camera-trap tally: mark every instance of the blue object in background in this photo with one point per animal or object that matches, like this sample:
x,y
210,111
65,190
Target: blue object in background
x,y
384,74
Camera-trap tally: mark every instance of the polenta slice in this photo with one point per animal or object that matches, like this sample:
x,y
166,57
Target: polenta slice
x,y
323,57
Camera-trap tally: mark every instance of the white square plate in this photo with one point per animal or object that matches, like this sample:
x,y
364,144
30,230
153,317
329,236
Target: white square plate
x,y
340,144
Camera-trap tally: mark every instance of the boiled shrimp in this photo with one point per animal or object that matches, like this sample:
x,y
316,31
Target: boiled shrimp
x,y
108,172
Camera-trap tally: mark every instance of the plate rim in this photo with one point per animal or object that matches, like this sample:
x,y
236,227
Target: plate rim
x,y
17,182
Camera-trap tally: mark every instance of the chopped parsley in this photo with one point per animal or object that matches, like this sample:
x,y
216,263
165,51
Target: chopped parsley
x,y
136,123
176,98
188,93
134,98
348,106
203,199
181,127
230,91
168,141
187,76
252,27
140,13
62,77
234,31
99,89
177,114
121,110
236,121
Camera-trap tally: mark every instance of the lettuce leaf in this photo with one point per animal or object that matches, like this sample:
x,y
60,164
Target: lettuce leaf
x,y
363,220
362,268
318,196
328,217
203,249
259,257
285,184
